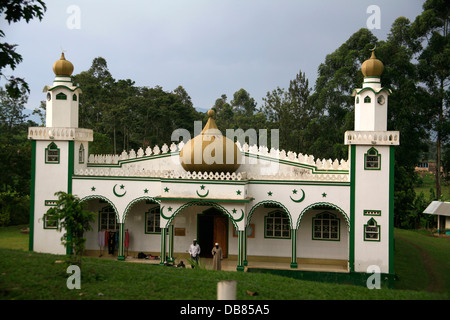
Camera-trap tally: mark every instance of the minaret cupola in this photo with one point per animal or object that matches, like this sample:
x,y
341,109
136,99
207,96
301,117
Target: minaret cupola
x,y
62,97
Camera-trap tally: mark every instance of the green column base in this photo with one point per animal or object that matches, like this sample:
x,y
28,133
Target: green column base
x,y
121,258
294,265
245,263
240,268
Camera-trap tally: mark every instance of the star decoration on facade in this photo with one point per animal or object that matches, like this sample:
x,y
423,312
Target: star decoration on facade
x,y
238,192
122,187
324,195
145,190
269,193
93,189
202,187
170,209
166,189
234,210
294,191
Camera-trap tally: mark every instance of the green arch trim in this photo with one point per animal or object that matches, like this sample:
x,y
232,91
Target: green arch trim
x,y
132,202
371,89
92,197
60,86
252,210
317,204
202,203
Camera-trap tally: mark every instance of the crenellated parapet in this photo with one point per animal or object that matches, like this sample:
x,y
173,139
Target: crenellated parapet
x,y
258,163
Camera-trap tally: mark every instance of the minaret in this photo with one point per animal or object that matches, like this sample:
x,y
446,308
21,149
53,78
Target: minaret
x,y
371,155
58,150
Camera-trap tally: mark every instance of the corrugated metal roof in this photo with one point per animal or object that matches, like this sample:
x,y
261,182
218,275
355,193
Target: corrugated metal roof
x,y
438,208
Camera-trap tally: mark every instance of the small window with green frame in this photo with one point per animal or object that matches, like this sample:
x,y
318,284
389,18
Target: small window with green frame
x,y
367,99
326,226
152,219
52,153
371,231
277,225
50,221
372,160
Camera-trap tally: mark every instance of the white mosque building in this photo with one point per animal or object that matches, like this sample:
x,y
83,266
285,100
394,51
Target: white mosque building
x,y
260,204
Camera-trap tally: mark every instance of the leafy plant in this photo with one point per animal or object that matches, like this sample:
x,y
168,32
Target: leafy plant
x,y
74,220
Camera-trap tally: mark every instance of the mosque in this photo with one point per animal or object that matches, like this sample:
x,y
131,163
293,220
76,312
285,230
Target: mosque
x,y
259,204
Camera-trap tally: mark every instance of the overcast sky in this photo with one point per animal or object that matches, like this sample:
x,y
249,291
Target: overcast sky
x,y
209,47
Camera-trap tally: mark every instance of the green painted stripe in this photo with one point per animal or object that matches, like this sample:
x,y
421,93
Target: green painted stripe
x,y
352,207
70,169
32,194
391,209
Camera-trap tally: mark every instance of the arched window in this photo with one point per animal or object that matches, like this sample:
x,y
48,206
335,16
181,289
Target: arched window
x,y
371,231
357,99
277,225
367,99
152,218
61,96
372,160
107,219
52,153
74,97
326,226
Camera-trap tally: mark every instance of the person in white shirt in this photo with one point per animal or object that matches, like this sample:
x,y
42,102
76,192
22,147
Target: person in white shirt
x,y
194,251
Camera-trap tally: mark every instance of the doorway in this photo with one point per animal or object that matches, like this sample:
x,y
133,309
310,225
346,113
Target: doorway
x,y
212,227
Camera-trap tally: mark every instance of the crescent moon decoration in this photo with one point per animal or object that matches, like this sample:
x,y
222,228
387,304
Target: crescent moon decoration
x,y
242,217
202,196
301,199
373,47
162,214
116,194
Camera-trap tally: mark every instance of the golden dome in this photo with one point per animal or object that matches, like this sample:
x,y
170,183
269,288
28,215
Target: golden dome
x,y
208,151
372,67
63,67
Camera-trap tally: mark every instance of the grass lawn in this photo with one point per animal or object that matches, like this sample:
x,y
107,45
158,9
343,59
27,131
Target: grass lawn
x,y
428,181
34,276
422,261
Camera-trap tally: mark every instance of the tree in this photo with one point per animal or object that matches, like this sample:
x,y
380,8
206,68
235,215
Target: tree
x,y
432,28
74,220
14,11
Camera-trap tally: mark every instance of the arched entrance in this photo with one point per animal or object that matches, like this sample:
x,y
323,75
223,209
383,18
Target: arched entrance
x,y
212,227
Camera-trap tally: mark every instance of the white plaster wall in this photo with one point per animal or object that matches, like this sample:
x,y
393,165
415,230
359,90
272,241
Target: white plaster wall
x,y
261,246
372,193
322,249
49,179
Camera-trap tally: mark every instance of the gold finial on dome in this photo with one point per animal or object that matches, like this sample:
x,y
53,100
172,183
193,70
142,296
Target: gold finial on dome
x,y
210,151
372,67
63,67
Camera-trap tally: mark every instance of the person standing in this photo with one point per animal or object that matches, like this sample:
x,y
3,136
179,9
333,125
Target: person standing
x,y
194,251
217,257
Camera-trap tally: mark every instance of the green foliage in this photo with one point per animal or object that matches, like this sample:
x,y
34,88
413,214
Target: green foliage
x,y
14,208
127,117
73,220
